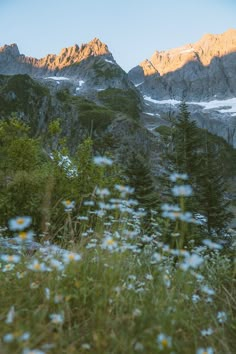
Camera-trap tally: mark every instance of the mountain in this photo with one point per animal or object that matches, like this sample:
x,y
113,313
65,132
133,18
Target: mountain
x,y
90,66
203,74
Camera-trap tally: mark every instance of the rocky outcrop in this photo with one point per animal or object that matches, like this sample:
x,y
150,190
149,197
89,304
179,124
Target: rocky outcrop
x,y
9,55
88,67
202,74
200,71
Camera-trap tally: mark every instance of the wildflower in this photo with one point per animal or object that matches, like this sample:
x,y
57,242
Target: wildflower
x,y
175,176
86,346
208,350
8,267
138,347
102,192
82,218
68,204
156,258
212,245
137,313
164,341
109,243
167,280
24,236
71,257
33,351
8,338
24,337
19,223
21,275
57,318
170,207
10,258
192,261
221,317
195,298
149,276
37,266
10,315
207,290
54,263
102,161
207,332
182,191
34,285
89,203
124,189
47,293
58,299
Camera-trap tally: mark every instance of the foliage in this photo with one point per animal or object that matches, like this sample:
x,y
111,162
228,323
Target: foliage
x,y
125,101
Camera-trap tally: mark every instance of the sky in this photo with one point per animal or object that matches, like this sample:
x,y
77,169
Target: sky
x,y
132,29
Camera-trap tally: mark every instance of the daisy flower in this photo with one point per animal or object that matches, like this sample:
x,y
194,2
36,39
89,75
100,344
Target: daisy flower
x,y
164,341
208,350
19,223
10,258
68,204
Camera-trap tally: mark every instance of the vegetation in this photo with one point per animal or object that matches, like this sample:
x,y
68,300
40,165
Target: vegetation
x,y
199,155
125,101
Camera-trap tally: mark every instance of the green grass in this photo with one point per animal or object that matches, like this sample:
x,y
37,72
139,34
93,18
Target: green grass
x,y
104,307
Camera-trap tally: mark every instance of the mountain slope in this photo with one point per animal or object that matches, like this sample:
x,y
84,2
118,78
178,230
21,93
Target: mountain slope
x,y
90,66
203,74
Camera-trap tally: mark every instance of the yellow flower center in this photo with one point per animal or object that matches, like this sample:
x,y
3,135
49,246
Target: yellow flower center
x,y
10,258
68,202
71,257
20,221
110,242
164,342
37,266
23,235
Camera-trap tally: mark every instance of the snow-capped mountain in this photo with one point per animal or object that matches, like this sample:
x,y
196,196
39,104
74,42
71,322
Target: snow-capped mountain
x,y
203,74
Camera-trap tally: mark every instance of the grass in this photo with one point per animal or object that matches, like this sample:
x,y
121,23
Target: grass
x,y
113,301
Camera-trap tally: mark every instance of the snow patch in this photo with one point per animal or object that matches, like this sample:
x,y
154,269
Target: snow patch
x,y
109,61
139,84
170,101
57,78
222,106
219,104
152,114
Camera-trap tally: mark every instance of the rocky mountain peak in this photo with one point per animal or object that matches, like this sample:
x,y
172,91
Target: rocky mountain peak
x,y
11,49
202,51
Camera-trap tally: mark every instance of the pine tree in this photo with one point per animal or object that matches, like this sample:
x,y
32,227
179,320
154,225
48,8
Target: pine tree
x,y
186,142
186,147
211,184
139,177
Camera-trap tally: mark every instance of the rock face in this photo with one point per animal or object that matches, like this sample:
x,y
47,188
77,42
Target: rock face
x,y
199,71
91,65
203,74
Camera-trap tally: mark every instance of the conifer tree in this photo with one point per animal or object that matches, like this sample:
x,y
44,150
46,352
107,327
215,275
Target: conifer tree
x,y
139,177
211,184
186,142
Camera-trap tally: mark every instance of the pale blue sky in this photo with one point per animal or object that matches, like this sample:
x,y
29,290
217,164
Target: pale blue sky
x,y
132,29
